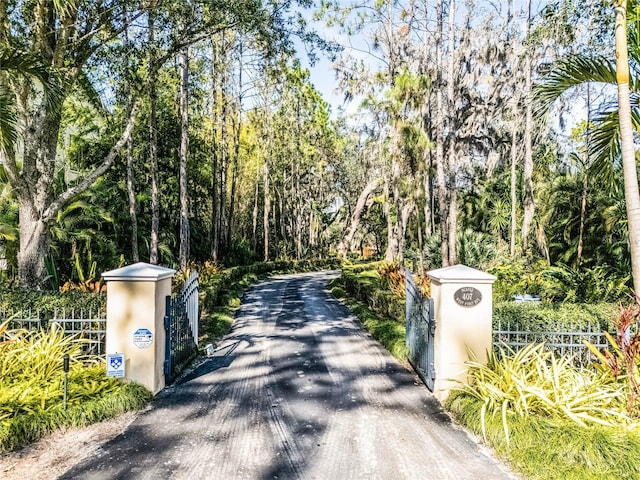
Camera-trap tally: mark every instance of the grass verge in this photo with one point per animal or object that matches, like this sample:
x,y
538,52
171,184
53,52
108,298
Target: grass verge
x,y
389,332
26,428
548,448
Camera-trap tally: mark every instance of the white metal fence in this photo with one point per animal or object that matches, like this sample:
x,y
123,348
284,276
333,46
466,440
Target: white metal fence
x,y
90,326
561,339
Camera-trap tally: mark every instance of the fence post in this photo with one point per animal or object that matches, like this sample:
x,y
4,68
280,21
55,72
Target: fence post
x,y
463,310
135,320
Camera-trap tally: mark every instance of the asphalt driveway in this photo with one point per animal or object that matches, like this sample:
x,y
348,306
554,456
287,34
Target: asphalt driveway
x,y
297,390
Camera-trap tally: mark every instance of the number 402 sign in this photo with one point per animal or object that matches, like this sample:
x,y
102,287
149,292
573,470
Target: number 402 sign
x,y
467,296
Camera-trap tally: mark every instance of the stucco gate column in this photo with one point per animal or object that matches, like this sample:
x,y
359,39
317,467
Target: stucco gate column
x,y
463,307
135,320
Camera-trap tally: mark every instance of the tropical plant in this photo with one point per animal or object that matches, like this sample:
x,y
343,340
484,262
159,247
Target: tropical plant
x,y
623,361
535,382
393,277
612,135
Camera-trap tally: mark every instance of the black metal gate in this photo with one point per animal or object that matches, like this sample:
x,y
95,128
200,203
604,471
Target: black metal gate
x,y
420,331
181,329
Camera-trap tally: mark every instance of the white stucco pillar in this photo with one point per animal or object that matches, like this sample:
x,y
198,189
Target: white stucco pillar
x,y
135,320
463,308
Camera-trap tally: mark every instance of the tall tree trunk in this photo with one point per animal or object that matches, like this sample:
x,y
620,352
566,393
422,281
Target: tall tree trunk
x,y
404,215
585,182
153,142
236,148
420,240
528,203
38,207
131,193
131,188
427,127
296,187
35,194
583,214
183,58
267,205
34,245
354,220
224,162
254,216
440,167
392,247
215,196
631,192
452,222
514,184
514,132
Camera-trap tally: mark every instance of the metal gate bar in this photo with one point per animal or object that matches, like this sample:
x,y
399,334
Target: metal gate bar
x,y
181,329
420,331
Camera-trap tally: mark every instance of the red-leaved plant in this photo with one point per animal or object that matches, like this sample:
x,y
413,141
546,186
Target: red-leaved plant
x,y
623,360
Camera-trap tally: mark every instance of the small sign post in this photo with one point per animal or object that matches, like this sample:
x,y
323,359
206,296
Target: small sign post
x,y
115,365
65,368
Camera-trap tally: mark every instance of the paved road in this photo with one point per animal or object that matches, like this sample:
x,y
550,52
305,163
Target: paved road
x,y
296,391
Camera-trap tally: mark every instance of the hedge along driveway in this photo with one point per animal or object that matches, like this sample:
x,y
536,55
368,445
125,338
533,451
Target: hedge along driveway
x,y
297,390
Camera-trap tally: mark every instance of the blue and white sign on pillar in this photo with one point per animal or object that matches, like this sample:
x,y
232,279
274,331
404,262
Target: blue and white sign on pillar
x,y
115,365
142,338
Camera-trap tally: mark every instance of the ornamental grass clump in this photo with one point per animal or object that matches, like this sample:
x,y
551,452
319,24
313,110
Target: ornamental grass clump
x,y
32,386
535,382
31,372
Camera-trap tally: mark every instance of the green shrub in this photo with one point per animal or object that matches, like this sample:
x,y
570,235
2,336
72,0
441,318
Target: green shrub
x,y
535,382
549,419
32,387
367,287
48,302
31,426
559,283
547,448
532,317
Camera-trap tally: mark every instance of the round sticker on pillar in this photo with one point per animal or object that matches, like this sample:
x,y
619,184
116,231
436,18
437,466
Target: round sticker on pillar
x,y
142,338
467,296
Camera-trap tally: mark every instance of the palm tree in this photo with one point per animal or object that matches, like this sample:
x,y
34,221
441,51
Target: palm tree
x,y
613,131
15,64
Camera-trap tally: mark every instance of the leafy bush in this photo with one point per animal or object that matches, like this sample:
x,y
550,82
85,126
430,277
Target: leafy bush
x,y
534,317
29,427
535,382
48,302
559,283
547,448
32,386
368,288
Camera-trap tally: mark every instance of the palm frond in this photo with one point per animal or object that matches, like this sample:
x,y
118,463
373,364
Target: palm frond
x,y
569,73
17,63
87,90
604,145
8,121
24,64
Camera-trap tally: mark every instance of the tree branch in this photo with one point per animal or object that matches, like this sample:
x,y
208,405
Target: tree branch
x,y
11,168
87,181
